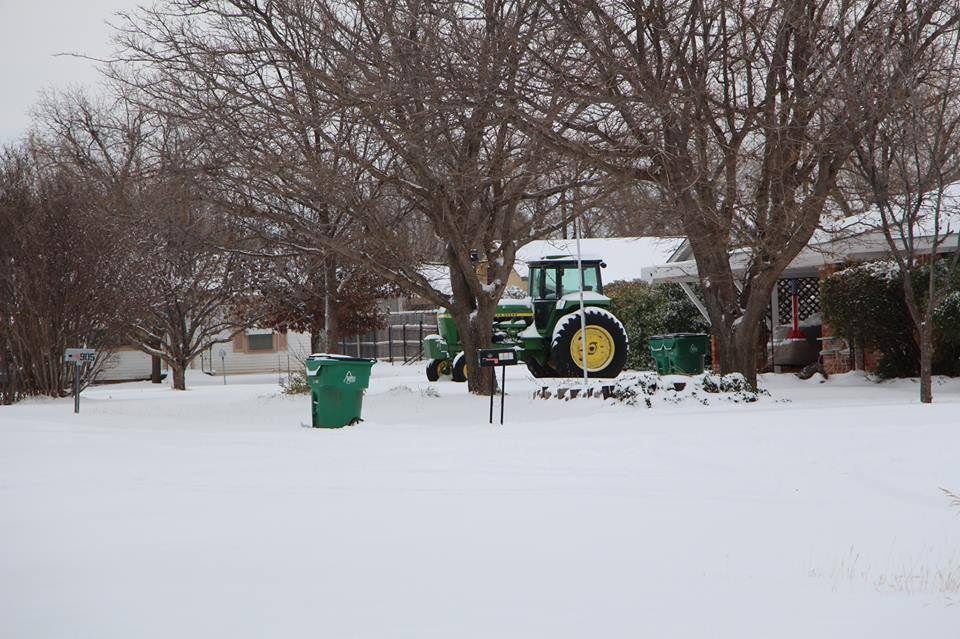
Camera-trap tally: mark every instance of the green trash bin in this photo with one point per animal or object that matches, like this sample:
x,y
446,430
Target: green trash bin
x,y
337,383
682,353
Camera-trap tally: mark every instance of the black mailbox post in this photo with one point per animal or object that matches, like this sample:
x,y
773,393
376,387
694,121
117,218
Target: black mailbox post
x,y
502,357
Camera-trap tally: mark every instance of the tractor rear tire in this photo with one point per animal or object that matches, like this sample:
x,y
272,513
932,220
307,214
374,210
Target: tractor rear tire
x,y
607,345
459,373
539,370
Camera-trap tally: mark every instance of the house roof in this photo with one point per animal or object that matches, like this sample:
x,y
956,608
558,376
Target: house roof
x,y
856,238
625,256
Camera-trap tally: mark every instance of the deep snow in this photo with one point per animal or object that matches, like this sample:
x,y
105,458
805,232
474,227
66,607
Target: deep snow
x,y
215,513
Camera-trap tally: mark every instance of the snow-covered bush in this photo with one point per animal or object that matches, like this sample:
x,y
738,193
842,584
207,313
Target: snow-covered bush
x,y
865,304
732,383
648,388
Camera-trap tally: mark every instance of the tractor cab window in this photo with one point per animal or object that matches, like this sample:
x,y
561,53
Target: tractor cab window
x,y
550,282
571,279
536,282
549,291
543,283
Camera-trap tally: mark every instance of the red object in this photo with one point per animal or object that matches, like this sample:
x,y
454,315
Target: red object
x,y
795,332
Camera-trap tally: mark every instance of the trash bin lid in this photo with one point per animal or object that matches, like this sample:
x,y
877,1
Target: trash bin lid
x,y
341,358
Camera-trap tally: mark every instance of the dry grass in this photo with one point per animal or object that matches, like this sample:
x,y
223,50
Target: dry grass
x,y
913,577
944,580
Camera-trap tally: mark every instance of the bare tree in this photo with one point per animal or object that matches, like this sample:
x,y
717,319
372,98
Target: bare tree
x,y
398,115
198,288
908,167
192,291
742,114
65,277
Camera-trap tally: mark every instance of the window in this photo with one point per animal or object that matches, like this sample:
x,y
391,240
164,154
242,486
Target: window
x,y
549,284
260,342
571,280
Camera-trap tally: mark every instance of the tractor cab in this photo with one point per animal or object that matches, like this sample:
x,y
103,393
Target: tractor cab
x,y
554,277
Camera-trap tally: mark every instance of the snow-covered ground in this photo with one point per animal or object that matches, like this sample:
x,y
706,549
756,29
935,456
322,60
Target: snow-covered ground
x,y
216,513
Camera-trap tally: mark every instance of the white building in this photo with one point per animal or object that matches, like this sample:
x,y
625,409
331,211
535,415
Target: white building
x,y
251,351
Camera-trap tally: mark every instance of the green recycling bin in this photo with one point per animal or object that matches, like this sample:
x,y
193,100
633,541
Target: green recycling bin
x,y
337,383
682,353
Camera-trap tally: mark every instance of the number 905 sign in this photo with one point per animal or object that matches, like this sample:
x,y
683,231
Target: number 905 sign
x,y
80,355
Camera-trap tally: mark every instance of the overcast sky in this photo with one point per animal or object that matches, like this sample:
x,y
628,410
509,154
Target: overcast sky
x,y
32,32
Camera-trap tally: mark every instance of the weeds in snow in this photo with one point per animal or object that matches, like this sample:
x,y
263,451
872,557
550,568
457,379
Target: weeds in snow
x,y
295,384
910,578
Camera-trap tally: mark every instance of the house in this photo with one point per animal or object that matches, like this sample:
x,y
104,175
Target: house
x,y
839,241
254,350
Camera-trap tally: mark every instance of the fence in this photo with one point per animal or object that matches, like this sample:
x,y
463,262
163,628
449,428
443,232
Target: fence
x,y
401,341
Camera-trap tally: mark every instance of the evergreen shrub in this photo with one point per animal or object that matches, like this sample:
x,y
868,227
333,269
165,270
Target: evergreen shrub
x,y
648,310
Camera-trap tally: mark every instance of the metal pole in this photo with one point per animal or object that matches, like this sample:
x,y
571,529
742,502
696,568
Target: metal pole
x,y
76,387
223,365
503,389
583,315
492,382
421,331
390,340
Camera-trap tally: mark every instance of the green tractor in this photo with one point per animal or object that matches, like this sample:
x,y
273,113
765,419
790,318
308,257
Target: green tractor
x,y
545,327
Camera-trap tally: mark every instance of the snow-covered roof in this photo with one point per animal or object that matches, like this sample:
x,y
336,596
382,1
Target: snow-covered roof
x,y
856,237
624,256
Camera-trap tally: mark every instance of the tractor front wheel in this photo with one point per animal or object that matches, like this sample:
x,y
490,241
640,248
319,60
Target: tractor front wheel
x,y
606,344
436,368
459,373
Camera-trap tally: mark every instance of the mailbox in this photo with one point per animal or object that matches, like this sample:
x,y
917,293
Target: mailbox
x,y
491,358
498,357
80,355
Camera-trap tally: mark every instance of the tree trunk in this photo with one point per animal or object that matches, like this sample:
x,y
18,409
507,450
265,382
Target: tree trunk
x,y
476,332
926,361
315,332
155,369
179,375
155,361
474,320
738,335
720,296
859,361
737,351
330,325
